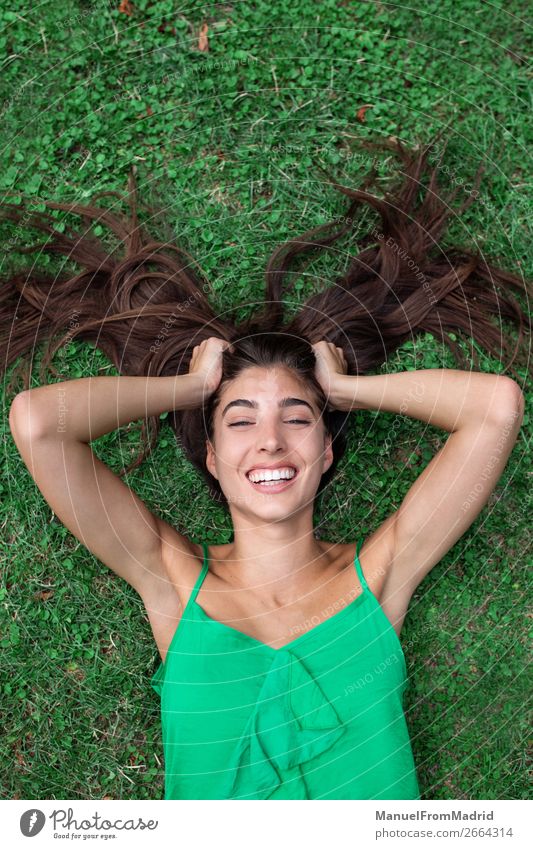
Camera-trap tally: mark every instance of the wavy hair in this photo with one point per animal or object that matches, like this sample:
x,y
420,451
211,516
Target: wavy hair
x,y
144,304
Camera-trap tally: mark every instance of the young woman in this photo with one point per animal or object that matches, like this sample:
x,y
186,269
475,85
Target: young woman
x,y
282,673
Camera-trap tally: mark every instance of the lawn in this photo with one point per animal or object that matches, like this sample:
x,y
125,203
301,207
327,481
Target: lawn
x,y
227,128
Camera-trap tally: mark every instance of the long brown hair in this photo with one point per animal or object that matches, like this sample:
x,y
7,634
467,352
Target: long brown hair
x,y
148,307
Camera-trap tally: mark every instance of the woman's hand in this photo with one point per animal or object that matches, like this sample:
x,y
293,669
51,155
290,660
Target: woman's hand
x,y
330,363
206,362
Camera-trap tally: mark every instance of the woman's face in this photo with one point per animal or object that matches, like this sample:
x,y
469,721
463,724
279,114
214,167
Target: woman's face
x,y
266,418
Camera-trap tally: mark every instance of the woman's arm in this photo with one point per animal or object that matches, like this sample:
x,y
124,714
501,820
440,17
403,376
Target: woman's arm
x,y
483,413
445,398
52,425
87,408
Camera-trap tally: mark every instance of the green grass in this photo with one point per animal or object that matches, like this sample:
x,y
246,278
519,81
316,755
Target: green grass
x,y
229,152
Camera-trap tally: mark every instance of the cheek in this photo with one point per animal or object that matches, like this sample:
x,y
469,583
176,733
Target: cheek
x,y
315,441
229,457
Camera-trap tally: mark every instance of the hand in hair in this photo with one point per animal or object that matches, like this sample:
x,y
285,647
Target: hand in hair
x,y
330,362
206,362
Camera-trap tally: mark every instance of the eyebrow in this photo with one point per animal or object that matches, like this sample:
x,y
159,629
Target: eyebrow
x,y
285,402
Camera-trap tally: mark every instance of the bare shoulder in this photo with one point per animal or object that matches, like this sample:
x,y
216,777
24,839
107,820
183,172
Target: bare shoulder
x,y
166,596
375,556
182,559
377,561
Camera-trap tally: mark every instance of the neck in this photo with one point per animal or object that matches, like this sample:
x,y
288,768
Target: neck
x,y
278,557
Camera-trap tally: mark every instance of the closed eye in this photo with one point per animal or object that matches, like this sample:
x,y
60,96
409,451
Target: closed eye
x,y
291,421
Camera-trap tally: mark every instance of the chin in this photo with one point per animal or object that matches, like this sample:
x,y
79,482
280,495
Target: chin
x,y
269,507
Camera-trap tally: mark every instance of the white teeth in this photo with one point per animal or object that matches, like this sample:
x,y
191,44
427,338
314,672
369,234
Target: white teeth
x,y
272,475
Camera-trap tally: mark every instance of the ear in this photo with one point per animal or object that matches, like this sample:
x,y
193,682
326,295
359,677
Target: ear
x,y
210,458
328,452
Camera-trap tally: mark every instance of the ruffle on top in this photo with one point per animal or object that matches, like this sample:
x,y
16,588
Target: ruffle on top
x,y
291,723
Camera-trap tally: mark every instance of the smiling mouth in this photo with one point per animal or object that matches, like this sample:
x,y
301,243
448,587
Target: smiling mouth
x,y
273,486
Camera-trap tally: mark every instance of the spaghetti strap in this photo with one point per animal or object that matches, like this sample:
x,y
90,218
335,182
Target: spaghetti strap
x,y
201,576
358,567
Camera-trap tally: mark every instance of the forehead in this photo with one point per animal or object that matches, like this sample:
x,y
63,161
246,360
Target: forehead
x,y
265,386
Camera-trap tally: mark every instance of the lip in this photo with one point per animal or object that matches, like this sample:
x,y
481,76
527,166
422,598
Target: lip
x,y
280,486
276,466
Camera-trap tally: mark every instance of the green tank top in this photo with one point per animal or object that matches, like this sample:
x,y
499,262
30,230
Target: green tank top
x,y
320,718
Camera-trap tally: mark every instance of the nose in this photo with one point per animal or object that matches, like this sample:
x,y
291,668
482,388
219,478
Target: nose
x,y
270,437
